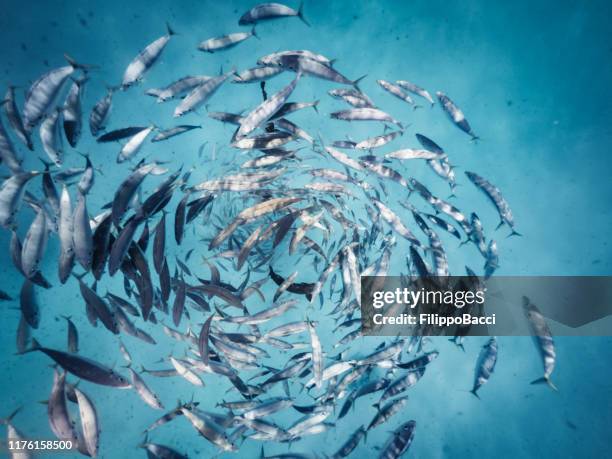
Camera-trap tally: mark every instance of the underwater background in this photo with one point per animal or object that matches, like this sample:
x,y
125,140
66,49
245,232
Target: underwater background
x,y
533,79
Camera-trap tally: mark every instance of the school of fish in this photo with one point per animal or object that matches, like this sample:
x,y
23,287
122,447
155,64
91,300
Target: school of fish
x,y
335,223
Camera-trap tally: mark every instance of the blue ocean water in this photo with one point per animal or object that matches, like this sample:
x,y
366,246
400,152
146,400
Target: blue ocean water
x,y
533,80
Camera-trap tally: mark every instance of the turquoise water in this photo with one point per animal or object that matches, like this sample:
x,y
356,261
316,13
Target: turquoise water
x,y
533,80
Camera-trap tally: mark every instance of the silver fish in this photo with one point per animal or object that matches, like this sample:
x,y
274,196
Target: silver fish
x,y
178,88
65,231
147,396
200,95
257,74
544,340
14,117
267,11
485,365
455,114
494,194
395,90
145,60
134,145
8,154
264,111
50,137
43,93
82,236
276,58
365,114
414,89
400,441
34,244
100,113
73,112
226,41
89,422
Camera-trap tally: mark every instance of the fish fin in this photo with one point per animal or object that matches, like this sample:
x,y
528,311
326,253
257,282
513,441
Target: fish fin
x,y
301,14
170,30
376,405
356,82
474,138
499,225
473,392
514,233
315,106
254,33
545,380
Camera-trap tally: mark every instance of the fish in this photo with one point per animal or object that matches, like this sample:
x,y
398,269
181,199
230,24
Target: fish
x,y
155,450
268,11
301,64
275,59
34,244
395,90
82,236
44,92
178,87
89,422
264,111
133,146
50,137
30,310
200,95
213,45
399,442
351,443
378,141
147,396
386,412
73,336
409,153
496,197
257,74
544,341
83,367
72,112
57,411
415,89
119,134
365,114
209,430
174,131
65,231
8,154
317,354
15,119
485,365
100,113
455,115
143,62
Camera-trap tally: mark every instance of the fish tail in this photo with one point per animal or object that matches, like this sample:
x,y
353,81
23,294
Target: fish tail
x,y
77,65
254,33
545,380
34,347
315,106
170,30
473,392
356,82
514,233
499,225
301,14
376,405
8,419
